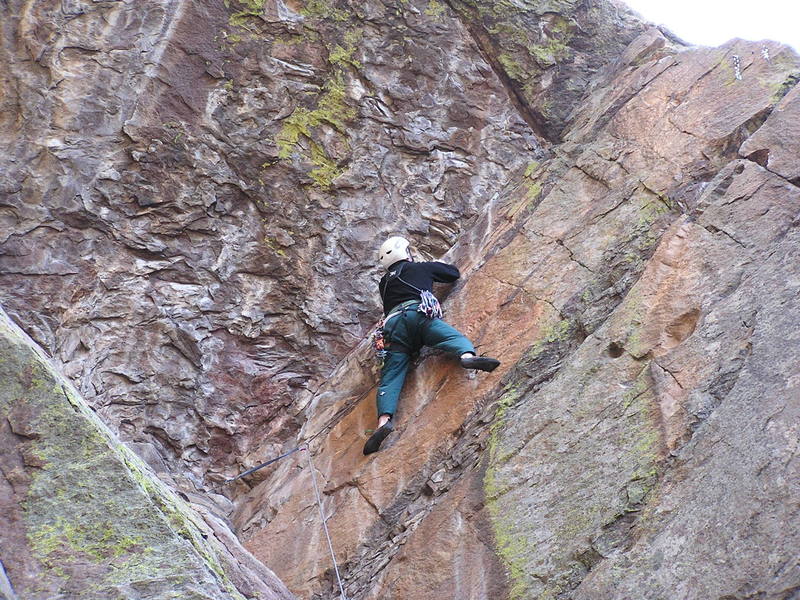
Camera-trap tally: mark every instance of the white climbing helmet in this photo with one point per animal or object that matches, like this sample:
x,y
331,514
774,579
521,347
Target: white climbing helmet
x,y
394,249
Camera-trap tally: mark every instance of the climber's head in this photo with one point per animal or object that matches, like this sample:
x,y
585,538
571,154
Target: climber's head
x,y
394,249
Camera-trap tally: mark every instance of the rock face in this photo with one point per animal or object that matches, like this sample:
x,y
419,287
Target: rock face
x,y
192,199
215,181
83,517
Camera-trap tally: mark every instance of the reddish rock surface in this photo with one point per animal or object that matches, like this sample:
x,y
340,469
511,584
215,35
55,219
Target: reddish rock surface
x,y
551,468
192,199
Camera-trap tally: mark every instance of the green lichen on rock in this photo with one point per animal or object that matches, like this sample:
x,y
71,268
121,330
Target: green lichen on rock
x,y
550,52
510,547
532,168
551,333
646,227
642,437
249,10
533,186
331,110
512,68
434,9
325,170
324,9
272,244
95,519
343,54
779,89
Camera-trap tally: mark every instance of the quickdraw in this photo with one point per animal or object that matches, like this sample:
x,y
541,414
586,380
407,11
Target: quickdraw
x,y
429,306
379,343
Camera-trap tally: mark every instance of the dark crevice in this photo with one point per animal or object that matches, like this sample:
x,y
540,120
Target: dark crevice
x,y
761,158
615,350
713,229
484,45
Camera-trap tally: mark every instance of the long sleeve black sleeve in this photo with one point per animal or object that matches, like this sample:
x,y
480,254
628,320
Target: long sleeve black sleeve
x,y
405,280
442,272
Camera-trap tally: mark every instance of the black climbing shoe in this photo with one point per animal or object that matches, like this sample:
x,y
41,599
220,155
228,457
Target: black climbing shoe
x,y
374,442
481,363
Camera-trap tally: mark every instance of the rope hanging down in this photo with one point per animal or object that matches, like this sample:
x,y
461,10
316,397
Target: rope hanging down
x,y
324,522
318,500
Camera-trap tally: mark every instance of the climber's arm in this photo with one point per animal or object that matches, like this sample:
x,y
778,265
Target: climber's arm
x,y
442,272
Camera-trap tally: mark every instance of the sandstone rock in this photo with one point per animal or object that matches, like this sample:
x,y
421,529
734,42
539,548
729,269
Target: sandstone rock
x,y
589,405
83,517
191,202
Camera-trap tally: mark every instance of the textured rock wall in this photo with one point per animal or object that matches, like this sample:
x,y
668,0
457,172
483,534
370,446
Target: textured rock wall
x,y
191,202
621,283
192,196
83,517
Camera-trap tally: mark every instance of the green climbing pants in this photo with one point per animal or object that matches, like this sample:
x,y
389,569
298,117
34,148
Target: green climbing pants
x,y
406,334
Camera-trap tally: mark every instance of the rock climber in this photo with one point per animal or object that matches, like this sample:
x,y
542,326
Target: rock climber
x,y
411,321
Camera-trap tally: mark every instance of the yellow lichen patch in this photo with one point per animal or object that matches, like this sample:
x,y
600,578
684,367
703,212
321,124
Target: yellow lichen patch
x,y
343,55
509,545
434,9
512,68
331,110
324,9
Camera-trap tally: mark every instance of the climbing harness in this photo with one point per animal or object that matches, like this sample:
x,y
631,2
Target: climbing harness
x,y
378,336
318,500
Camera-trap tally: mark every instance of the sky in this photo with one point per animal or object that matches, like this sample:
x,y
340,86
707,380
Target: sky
x,y
713,22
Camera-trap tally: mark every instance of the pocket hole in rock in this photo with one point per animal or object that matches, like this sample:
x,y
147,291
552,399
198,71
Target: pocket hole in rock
x,y
682,327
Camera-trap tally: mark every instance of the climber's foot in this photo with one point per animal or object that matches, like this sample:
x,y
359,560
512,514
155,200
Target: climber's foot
x,y
374,442
481,363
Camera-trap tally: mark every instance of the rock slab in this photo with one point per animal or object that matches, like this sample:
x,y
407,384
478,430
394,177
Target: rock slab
x,y
83,517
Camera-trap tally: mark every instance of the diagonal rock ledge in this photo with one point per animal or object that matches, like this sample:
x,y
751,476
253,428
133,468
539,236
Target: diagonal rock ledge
x,y
83,517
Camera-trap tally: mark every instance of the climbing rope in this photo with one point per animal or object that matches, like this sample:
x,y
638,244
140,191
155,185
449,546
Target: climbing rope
x,y
324,522
318,500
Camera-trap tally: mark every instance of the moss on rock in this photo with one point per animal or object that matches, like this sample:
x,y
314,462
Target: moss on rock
x,y
332,110
96,520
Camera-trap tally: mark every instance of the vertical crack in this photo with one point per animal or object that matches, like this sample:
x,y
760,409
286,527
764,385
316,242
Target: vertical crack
x,y
484,45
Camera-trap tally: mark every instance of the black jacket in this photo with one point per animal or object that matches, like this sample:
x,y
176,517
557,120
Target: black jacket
x,y
419,274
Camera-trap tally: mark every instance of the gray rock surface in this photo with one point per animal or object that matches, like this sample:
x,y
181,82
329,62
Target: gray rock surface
x,y
191,202
83,517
